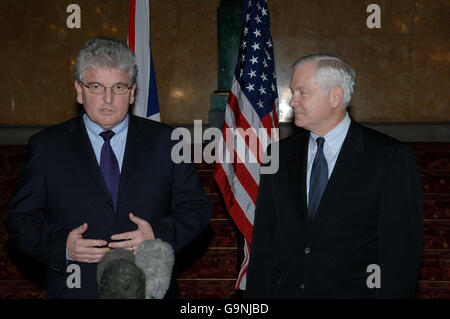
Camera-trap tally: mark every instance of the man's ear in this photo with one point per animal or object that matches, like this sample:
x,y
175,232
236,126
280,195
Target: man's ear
x,y
335,96
132,92
79,90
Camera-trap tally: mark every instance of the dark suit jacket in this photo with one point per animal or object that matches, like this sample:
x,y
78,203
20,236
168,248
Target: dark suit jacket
x,y
61,187
370,213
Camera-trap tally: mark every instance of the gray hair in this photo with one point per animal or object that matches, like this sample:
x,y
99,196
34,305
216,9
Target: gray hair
x,y
331,71
106,52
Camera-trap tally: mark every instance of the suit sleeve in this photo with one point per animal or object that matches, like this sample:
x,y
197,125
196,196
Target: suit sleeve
x,y
26,219
263,242
400,227
190,209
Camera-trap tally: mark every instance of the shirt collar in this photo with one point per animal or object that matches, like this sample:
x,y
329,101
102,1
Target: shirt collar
x,y
336,136
95,129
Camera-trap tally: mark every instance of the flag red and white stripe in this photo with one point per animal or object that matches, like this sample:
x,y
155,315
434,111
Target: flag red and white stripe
x,y
252,113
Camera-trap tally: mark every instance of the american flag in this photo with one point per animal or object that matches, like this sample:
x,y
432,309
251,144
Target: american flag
x,y
253,107
146,103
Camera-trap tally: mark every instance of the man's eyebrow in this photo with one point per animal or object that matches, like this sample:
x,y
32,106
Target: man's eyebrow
x,y
95,82
298,88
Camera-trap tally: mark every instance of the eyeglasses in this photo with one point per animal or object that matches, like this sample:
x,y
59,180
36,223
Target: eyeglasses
x,y
97,88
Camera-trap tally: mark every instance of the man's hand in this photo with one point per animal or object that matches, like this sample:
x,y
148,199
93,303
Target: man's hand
x,y
85,250
131,240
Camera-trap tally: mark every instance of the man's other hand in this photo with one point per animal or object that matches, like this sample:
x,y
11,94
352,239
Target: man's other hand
x,y
85,250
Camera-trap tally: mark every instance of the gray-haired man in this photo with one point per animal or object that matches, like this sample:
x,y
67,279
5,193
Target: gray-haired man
x,y
102,180
342,217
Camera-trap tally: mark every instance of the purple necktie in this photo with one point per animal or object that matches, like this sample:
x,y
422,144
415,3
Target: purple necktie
x,y
110,167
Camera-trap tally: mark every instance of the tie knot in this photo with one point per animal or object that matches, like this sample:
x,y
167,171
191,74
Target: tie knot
x,y
320,141
107,135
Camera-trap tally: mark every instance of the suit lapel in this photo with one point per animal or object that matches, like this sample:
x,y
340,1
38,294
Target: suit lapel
x,y
82,149
130,159
297,176
347,163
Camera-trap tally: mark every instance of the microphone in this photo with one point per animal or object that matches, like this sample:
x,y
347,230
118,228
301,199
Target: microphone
x,y
156,259
122,275
118,277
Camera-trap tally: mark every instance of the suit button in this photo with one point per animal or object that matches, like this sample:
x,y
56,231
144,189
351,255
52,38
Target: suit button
x,y
302,286
108,204
307,250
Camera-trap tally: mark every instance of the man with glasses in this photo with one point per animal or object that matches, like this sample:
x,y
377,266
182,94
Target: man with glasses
x,y
102,180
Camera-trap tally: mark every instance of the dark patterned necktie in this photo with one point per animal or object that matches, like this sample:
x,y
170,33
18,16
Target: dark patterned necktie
x,y
318,180
110,167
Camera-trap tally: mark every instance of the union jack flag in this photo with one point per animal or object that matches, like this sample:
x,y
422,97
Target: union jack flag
x,y
146,103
